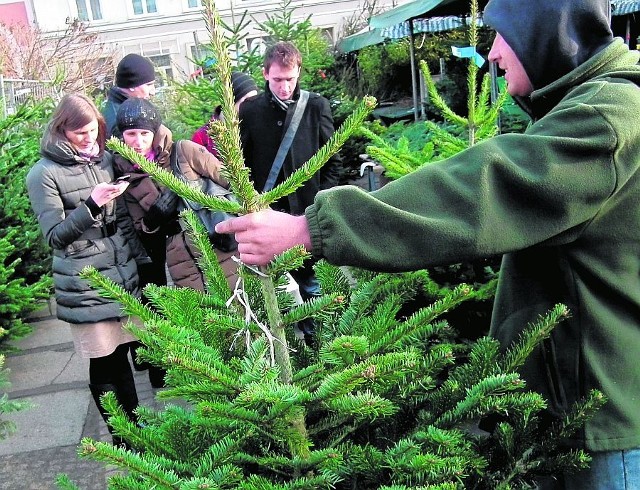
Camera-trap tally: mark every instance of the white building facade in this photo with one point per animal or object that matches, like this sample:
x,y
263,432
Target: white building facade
x,y
172,32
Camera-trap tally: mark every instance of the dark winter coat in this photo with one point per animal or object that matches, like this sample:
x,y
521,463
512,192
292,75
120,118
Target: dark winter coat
x,y
262,125
194,161
561,202
58,185
115,97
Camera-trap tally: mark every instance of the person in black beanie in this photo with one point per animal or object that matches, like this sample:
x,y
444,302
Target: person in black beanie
x,y
244,87
152,207
559,202
135,77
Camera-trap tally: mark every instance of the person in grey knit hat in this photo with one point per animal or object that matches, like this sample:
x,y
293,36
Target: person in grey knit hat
x,y
559,203
135,80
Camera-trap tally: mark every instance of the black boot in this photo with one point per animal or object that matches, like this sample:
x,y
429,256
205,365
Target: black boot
x,y
97,391
128,396
156,377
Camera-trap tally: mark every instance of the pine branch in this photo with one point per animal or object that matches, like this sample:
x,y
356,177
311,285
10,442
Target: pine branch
x,y
438,101
111,290
288,260
167,179
532,337
419,320
215,279
226,132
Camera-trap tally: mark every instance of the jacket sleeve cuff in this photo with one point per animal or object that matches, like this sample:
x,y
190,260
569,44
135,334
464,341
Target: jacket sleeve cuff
x,y
311,213
93,207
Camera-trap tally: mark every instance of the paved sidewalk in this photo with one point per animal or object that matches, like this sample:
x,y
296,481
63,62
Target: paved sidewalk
x,y
48,373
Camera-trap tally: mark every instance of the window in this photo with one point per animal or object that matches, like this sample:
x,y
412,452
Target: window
x,y
192,4
163,66
94,12
144,7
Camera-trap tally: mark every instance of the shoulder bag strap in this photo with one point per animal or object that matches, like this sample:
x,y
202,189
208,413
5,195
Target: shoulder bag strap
x,y
175,168
285,144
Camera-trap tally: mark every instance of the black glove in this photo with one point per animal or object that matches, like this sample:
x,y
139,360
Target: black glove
x,y
163,211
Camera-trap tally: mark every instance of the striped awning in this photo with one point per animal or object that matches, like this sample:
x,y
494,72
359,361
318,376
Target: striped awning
x,y
409,10
372,35
624,7
432,24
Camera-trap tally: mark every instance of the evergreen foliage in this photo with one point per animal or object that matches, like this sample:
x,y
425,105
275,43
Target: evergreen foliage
x,y
387,401
192,103
24,259
7,406
457,133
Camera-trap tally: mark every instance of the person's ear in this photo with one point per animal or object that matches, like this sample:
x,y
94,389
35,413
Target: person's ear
x,y
265,73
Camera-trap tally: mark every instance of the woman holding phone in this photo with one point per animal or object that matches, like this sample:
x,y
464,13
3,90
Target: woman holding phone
x,y
75,198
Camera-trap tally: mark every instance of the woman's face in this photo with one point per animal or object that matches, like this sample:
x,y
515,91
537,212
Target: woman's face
x,y
140,140
84,138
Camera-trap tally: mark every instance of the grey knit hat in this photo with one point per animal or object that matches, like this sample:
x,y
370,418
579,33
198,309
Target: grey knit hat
x,y
135,113
134,70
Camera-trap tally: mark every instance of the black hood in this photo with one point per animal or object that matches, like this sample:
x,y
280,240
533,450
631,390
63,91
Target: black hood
x,y
551,37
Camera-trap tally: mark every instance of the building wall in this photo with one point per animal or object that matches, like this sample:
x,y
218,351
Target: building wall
x,y
168,36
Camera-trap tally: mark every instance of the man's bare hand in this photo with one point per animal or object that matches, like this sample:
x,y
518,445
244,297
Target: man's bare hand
x,y
265,234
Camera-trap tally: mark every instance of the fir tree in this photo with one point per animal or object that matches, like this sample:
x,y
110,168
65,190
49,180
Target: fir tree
x,y
457,133
382,400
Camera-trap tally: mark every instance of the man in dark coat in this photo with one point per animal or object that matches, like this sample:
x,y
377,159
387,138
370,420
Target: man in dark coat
x,y
263,123
135,77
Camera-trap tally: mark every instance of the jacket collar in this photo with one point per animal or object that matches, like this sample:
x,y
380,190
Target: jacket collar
x,y
610,60
63,153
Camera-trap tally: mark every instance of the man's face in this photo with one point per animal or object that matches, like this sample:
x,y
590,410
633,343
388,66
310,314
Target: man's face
x,y
144,91
140,140
518,82
282,80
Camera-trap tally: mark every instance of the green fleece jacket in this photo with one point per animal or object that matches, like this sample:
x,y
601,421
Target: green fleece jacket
x,y
561,202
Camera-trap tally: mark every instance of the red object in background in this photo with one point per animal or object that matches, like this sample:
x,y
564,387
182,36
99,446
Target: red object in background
x,y
14,13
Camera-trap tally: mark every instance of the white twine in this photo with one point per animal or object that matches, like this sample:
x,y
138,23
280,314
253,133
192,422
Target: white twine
x,y
241,296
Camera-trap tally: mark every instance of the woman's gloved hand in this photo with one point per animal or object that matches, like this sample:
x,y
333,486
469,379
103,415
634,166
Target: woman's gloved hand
x,y
163,211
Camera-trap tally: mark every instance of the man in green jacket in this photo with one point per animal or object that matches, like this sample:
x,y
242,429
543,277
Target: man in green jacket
x,y
560,202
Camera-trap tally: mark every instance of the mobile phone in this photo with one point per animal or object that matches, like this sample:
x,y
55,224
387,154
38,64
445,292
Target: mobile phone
x,y
119,180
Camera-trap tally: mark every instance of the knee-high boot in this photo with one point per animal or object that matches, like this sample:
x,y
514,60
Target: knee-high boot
x,y
97,390
128,402
128,396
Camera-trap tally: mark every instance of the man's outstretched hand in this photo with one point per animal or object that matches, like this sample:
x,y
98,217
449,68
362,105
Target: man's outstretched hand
x,y
265,234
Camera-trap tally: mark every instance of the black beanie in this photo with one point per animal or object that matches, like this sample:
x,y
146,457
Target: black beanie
x,y
551,37
242,84
136,113
134,70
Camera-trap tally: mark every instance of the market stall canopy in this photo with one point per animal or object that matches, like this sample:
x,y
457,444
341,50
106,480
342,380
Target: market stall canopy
x,y
432,24
624,7
409,10
361,39
370,36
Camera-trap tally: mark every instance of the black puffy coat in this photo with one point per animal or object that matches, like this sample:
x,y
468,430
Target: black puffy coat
x,y
58,185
